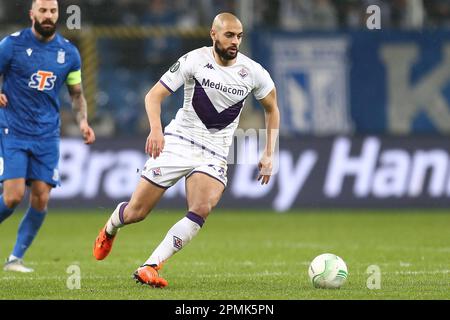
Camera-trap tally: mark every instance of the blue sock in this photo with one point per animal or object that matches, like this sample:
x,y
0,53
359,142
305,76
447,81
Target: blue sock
x,y
28,228
5,212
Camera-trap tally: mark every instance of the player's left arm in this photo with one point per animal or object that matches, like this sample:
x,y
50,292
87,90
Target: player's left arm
x,y
272,116
79,106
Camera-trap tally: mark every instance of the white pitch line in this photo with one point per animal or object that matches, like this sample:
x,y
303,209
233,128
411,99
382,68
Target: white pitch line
x,y
422,272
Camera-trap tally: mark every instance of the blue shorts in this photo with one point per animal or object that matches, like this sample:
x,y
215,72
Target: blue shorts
x,y
29,159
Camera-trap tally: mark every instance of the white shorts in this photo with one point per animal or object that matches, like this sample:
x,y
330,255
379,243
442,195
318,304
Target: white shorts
x,y
182,157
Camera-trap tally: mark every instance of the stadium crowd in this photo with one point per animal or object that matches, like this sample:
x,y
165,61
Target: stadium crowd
x,y
284,14
127,66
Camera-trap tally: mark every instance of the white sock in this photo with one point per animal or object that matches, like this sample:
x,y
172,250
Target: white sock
x,y
116,220
177,237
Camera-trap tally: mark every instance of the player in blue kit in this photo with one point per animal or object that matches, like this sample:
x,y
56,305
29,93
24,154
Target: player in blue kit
x,y
35,63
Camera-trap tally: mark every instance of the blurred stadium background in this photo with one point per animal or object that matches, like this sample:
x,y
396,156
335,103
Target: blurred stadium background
x,y
365,125
337,81
365,113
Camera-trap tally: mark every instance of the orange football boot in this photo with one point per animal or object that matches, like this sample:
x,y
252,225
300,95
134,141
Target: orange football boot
x,y
103,244
149,275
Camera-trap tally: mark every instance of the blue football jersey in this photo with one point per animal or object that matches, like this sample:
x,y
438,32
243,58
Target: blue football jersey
x,y
33,74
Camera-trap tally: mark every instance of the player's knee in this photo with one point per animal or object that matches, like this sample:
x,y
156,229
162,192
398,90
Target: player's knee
x,y
39,201
13,199
202,209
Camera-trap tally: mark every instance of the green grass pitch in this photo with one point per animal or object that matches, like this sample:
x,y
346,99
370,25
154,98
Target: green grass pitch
x,y
239,255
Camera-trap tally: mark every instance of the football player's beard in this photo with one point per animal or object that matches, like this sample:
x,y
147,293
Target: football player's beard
x,y
45,32
223,52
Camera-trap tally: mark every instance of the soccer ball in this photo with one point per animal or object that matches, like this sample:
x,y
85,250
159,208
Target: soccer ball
x,y
328,271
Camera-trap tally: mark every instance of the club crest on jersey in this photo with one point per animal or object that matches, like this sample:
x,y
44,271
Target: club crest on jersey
x,y
243,73
42,80
61,56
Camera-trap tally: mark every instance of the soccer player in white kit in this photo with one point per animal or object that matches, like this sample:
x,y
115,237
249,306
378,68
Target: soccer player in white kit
x,y
195,145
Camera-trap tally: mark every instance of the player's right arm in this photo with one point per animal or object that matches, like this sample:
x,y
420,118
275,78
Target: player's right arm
x,y
6,53
173,79
155,140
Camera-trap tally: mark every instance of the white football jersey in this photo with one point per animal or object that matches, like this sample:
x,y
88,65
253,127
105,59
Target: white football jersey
x,y
213,96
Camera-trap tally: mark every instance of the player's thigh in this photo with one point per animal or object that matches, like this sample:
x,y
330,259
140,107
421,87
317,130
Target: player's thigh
x,y
144,198
14,158
43,164
203,192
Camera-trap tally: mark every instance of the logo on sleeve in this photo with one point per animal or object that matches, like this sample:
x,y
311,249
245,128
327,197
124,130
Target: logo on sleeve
x,y
174,68
42,80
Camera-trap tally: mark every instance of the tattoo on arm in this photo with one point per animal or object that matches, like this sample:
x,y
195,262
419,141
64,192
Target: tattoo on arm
x,y
79,104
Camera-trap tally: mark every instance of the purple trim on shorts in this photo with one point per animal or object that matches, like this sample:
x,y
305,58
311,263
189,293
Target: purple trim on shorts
x,y
121,210
154,183
209,175
195,218
166,86
196,144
